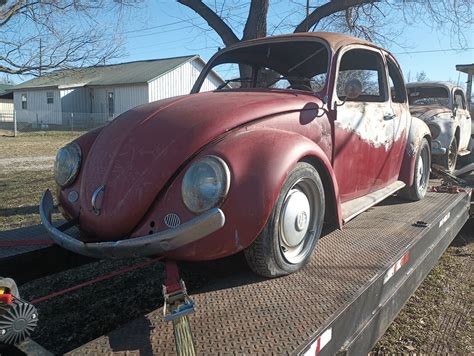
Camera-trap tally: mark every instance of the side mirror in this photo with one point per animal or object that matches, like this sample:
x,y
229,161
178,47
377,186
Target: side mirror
x,y
352,89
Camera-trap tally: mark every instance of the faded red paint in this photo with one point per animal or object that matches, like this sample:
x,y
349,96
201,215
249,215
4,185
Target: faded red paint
x,y
142,156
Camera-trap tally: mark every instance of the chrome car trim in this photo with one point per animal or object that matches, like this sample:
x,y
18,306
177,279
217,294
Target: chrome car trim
x,y
95,195
148,245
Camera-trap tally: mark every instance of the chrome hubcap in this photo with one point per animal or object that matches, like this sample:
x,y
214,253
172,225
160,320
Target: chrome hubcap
x,y
295,218
423,170
420,171
297,221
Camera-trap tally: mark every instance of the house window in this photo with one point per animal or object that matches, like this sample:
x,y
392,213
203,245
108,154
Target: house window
x,y
24,102
110,103
49,97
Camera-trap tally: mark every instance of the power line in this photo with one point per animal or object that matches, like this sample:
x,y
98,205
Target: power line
x,y
437,50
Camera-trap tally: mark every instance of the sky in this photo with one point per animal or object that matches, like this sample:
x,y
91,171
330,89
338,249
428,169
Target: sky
x,y
161,29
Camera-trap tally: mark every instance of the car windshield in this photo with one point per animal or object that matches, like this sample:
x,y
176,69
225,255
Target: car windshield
x,y
295,65
428,96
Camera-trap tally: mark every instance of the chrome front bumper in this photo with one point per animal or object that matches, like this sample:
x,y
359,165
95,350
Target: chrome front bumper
x,y
148,245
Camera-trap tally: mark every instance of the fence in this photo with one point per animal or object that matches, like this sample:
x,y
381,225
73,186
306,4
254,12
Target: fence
x,y
26,120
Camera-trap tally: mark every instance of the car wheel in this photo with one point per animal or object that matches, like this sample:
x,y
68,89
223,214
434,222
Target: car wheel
x,y
450,158
421,174
290,235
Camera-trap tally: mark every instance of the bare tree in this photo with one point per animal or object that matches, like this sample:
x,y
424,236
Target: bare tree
x,y
41,35
369,19
421,76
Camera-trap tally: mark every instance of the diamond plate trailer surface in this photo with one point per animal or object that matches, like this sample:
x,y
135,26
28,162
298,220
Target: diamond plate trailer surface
x,y
355,284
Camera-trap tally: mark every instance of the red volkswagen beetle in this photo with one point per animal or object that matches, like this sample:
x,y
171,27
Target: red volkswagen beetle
x,y
304,129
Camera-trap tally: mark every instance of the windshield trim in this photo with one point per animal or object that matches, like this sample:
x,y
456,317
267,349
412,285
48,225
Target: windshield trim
x,y
208,67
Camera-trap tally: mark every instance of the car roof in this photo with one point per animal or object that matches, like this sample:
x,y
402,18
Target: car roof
x,y
334,40
446,85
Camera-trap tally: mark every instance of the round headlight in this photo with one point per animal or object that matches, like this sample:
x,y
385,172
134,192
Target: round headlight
x,y
66,166
205,184
434,129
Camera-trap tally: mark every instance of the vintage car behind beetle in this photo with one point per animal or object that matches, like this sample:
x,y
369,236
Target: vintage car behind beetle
x,y
442,106
302,131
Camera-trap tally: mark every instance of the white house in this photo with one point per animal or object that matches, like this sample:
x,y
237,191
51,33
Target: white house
x,y
93,95
6,102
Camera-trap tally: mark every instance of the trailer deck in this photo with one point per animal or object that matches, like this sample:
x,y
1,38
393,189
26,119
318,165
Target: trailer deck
x,y
343,300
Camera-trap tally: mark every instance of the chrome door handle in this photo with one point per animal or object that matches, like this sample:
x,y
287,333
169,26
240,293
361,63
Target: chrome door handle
x,y
389,116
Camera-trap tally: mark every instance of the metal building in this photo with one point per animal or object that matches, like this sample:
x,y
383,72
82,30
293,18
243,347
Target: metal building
x,y
87,97
6,103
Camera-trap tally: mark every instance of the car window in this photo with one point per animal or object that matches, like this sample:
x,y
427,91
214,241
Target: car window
x,y
366,66
428,96
298,65
397,86
459,99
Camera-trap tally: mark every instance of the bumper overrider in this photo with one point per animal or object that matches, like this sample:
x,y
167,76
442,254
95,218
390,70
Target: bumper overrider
x,y
149,245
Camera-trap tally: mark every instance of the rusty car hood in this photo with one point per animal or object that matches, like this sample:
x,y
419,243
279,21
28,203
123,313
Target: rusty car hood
x,y
427,112
139,152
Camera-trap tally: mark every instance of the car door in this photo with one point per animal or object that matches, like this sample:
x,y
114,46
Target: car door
x,y
364,126
462,116
401,119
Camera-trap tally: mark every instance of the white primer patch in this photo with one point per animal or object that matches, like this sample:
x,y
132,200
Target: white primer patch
x,y
366,121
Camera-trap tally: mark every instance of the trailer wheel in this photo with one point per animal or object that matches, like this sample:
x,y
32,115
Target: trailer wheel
x,y
421,175
288,239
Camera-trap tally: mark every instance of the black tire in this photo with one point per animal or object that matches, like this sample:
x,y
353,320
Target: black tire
x,y
420,184
271,255
449,159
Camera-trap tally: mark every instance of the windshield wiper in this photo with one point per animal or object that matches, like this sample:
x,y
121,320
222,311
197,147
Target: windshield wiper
x,y
242,79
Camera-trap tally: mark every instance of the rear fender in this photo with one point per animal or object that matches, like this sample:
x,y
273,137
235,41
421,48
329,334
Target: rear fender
x,y
418,131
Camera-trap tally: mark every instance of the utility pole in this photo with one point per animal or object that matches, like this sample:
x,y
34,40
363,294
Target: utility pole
x,y
40,58
307,14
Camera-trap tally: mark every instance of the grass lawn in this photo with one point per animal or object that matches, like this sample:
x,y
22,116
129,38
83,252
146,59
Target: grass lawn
x,y
21,189
35,143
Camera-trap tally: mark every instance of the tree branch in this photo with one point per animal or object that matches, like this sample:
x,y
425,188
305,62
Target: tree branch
x,y
214,21
328,9
256,25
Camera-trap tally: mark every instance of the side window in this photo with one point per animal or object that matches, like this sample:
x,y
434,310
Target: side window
x,y
49,97
397,86
459,99
366,66
110,103
24,101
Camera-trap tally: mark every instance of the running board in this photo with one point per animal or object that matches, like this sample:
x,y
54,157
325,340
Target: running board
x,y
463,152
352,208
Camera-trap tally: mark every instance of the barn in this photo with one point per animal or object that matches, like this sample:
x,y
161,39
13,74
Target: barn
x,y
88,97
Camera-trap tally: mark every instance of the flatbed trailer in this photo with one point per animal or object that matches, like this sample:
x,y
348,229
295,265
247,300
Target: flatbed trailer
x,y
342,301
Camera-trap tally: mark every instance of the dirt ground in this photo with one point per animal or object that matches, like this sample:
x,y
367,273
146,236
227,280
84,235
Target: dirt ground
x,y
436,319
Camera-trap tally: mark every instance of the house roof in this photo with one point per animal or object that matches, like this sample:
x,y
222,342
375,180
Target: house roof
x,y
466,68
5,88
113,74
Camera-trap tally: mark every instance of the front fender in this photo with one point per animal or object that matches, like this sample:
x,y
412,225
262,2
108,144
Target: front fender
x,y
418,131
259,161
448,129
